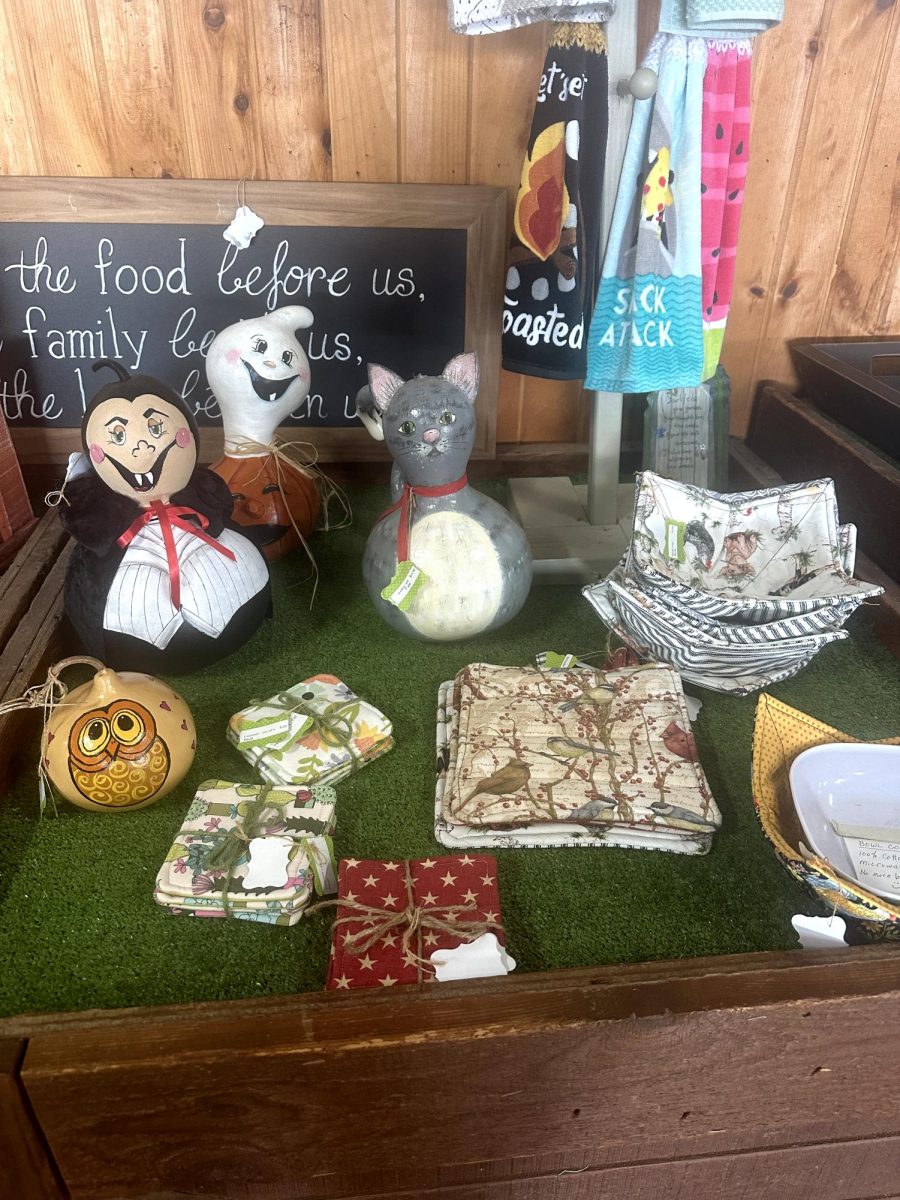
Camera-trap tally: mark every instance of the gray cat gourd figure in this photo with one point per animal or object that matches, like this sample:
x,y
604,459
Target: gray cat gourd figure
x,y
474,561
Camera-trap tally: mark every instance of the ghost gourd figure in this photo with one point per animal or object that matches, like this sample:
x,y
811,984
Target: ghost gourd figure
x,y
157,580
259,374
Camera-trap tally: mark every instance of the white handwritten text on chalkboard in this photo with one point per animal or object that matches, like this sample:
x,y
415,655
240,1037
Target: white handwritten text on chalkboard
x,y
153,297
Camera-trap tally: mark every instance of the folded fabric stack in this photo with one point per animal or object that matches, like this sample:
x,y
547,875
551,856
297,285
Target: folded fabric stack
x,y
569,757
254,853
736,591
392,916
316,732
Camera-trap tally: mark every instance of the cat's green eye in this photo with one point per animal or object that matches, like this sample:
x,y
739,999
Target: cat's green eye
x,y
447,417
407,427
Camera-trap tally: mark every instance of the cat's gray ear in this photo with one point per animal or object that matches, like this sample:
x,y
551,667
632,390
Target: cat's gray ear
x,y
384,385
463,372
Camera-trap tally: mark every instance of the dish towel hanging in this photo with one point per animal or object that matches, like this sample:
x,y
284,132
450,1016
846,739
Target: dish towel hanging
x,y
646,330
723,174
721,19
551,278
494,16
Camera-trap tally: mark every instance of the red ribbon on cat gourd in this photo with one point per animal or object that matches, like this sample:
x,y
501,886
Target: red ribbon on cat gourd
x,y
170,515
411,490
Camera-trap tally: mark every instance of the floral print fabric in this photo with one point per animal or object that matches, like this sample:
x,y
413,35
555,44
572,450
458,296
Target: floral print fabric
x,y
317,731
189,884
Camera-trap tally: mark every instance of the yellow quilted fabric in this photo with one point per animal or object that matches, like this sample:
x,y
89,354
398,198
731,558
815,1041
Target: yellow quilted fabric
x,y
780,734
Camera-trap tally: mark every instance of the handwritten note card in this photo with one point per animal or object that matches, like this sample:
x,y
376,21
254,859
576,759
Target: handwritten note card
x,y
877,864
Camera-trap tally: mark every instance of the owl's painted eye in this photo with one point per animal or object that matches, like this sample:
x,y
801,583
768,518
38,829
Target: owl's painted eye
x,y
447,417
94,736
127,727
407,427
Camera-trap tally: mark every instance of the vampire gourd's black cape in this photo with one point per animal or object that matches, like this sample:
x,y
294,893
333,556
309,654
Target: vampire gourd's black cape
x,y
96,517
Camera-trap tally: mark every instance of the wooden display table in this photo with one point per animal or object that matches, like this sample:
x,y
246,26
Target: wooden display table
x,y
763,1075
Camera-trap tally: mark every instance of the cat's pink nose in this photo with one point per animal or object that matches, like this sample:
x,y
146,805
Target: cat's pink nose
x,y
431,435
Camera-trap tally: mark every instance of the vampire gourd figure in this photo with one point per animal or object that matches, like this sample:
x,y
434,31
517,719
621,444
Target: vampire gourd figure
x,y
158,581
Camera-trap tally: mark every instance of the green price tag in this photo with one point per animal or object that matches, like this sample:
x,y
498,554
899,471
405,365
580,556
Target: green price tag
x,y
402,589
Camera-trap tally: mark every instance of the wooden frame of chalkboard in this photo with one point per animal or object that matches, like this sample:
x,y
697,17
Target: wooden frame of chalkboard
x,y
98,268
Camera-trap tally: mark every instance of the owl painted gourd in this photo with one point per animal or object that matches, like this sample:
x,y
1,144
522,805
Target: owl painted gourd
x,y
119,743
259,374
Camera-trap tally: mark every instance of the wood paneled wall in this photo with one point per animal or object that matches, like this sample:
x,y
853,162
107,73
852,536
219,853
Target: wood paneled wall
x,y
379,90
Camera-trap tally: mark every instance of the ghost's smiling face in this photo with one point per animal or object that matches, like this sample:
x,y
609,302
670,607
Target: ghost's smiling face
x,y
270,376
141,447
259,373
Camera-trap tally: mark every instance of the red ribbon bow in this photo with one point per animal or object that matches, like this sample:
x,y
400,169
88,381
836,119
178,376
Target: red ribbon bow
x,y
409,491
170,515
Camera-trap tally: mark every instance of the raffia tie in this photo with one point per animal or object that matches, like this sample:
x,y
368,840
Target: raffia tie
x,y
332,726
231,846
48,696
441,918
302,457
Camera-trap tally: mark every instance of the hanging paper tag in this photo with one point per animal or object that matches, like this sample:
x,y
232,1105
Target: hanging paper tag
x,y
402,589
473,960
244,226
674,540
820,933
268,862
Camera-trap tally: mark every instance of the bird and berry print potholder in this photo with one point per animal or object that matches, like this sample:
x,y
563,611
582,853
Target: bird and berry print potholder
x,y
610,752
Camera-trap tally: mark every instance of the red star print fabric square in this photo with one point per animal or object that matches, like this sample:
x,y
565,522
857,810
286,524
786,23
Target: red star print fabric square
x,y
393,915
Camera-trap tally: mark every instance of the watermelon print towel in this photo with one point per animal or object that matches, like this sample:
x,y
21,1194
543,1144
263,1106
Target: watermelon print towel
x,y
646,331
723,174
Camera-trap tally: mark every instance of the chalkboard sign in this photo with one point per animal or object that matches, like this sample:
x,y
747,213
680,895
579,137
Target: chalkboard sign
x,y
138,271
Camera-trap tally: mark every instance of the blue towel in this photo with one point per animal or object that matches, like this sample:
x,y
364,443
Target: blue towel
x,y
646,331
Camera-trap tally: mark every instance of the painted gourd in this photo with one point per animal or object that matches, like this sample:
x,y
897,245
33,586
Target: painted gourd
x,y
473,559
119,743
159,579
259,374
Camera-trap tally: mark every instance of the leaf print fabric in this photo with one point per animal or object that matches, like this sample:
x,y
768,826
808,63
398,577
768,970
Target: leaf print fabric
x,y
317,731
193,880
529,757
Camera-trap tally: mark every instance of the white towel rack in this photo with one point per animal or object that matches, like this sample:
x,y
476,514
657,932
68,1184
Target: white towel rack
x,y
578,533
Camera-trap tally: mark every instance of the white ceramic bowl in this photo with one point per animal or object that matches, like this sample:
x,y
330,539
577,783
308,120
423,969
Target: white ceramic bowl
x,y
852,783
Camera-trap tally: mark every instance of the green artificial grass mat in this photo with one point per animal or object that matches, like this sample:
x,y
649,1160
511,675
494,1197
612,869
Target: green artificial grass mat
x,y
78,925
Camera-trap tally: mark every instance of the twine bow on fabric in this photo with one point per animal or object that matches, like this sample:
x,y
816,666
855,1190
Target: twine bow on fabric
x,y
230,845
414,919
332,725
169,516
